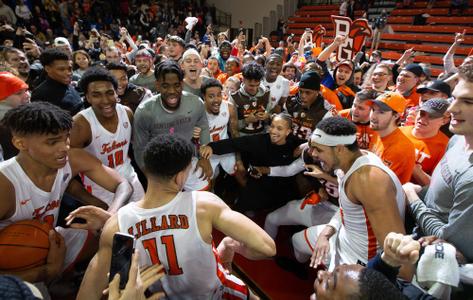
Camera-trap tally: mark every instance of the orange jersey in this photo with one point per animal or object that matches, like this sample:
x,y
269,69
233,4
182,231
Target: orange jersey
x,y
364,134
428,151
327,93
398,153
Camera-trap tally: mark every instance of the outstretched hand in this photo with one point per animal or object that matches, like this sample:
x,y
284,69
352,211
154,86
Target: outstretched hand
x,y
95,217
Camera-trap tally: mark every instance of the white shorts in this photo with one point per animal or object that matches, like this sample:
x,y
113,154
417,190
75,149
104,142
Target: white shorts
x,y
227,161
194,183
75,241
107,197
304,243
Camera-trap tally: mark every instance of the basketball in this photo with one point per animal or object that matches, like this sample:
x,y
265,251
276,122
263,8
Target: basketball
x,y
23,245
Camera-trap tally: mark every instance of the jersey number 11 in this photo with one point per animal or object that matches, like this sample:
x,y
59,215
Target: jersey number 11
x,y
168,242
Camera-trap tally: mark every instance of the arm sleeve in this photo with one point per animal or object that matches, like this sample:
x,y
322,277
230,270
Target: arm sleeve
x,y
376,263
187,37
203,124
294,168
141,135
248,143
449,64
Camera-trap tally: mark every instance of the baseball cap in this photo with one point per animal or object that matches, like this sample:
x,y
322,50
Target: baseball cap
x,y
436,86
391,101
347,63
61,41
10,84
310,80
414,68
435,107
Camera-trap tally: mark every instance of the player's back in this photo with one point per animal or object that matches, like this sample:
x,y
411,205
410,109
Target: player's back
x,y
169,235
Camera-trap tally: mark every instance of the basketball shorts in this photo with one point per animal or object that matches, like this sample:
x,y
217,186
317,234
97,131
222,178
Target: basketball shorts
x,y
227,161
75,241
194,183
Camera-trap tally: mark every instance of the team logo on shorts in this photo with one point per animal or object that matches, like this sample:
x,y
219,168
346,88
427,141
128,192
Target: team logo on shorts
x,y
254,103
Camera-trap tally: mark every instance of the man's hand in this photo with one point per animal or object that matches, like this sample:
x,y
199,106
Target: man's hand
x,y
226,252
263,170
459,37
321,251
31,48
94,216
207,171
251,118
196,132
340,39
56,254
138,282
411,191
400,249
262,116
314,171
205,152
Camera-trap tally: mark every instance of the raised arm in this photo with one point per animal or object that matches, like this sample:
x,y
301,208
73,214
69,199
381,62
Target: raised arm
x,y
448,62
325,54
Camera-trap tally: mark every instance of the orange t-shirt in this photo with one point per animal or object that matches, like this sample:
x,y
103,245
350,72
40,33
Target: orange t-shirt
x,y
428,151
224,76
364,134
398,153
327,93
412,99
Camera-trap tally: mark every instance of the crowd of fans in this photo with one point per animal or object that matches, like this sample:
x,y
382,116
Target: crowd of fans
x,y
376,153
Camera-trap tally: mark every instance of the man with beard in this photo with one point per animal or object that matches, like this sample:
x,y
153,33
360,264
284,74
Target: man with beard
x,y
130,95
57,88
391,145
144,65
191,65
175,47
172,111
359,114
366,215
407,82
251,101
18,61
275,83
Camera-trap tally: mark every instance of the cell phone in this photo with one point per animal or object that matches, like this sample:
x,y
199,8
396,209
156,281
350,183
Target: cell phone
x,y
122,250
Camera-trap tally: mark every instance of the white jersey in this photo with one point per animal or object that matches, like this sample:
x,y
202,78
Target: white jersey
x,y
218,128
169,235
356,240
218,124
278,89
31,201
111,148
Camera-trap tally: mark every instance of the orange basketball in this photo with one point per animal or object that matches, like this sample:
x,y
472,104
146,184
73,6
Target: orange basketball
x,y
23,245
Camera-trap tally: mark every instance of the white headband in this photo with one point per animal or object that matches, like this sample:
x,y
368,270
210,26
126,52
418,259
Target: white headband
x,y
320,137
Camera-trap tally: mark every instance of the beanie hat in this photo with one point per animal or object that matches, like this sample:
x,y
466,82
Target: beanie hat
x,y
310,80
10,84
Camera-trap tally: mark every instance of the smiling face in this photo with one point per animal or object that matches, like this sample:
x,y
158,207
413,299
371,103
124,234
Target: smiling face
x,y
225,51
213,99
425,126
342,283
170,88
192,67
324,154
251,86
289,73
342,75
212,65
82,61
273,68
279,130
380,78
461,109
143,64
103,99
18,61
231,67
406,81
122,80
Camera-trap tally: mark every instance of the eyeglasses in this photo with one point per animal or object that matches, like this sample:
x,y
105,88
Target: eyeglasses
x,y
379,74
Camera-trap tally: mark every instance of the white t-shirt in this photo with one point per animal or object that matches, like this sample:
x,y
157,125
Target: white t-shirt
x,y
278,88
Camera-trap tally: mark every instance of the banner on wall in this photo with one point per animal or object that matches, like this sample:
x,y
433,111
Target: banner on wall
x,y
356,32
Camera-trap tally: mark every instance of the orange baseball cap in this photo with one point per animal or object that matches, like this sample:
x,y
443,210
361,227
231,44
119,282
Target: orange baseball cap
x,y
10,84
391,101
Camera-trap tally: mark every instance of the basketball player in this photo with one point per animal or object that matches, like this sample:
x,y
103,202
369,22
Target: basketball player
x,y
370,195
104,130
222,117
174,228
33,182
